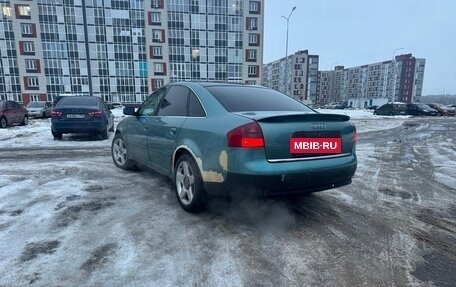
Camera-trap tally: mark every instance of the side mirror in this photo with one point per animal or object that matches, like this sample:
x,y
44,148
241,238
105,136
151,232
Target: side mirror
x,y
129,111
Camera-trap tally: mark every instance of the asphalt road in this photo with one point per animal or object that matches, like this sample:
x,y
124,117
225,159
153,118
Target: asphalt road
x,y
68,217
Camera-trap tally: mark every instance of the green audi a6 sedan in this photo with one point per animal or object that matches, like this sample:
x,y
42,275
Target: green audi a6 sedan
x,y
216,137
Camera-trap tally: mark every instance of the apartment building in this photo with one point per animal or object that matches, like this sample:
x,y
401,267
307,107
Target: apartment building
x,y
211,40
295,75
122,50
400,80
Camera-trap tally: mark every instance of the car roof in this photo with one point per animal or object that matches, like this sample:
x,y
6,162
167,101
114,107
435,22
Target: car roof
x,y
215,84
65,99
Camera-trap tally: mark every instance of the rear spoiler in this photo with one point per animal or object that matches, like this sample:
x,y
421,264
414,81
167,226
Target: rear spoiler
x,y
298,117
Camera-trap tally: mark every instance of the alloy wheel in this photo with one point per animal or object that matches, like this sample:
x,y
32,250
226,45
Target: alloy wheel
x,y
119,151
185,183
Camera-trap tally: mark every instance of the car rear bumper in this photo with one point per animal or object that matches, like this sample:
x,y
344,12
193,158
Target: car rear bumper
x,y
286,179
78,127
35,113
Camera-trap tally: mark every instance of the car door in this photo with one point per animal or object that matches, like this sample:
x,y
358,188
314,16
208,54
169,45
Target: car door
x,y
139,127
412,109
165,127
11,112
108,112
48,108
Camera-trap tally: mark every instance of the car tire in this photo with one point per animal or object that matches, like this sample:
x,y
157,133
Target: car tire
x,y
3,122
189,185
24,121
44,115
120,155
57,135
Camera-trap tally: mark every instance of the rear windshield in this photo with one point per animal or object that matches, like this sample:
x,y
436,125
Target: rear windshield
x,y
78,101
248,98
424,107
35,105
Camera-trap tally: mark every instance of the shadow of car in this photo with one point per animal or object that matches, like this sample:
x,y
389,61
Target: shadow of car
x,y
82,114
38,109
12,113
391,109
418,109
215,137
373,107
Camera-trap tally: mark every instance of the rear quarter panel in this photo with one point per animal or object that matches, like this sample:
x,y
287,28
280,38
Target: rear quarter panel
x,y
205,139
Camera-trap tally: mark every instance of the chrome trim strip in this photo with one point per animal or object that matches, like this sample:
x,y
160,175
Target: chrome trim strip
x,y
309,158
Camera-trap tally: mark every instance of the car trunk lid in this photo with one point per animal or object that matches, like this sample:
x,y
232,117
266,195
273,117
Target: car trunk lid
x,y
289,136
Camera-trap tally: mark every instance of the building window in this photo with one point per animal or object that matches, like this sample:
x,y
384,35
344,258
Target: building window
x,y
157,4
156,52
6,10
160,69
157,36
157,83
251,55
26,48
28,30
154,18
31,83
254,39
252,23
254,7
22,11
253,71
34,98
30,65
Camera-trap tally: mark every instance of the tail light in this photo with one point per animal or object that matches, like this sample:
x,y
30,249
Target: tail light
x,y
246,136
96,113
56,114
355,137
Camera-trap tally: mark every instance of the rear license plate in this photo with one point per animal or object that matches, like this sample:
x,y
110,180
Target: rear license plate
x,y
75,116
315,145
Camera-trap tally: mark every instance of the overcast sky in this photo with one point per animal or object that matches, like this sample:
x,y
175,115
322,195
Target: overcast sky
x,y
357,32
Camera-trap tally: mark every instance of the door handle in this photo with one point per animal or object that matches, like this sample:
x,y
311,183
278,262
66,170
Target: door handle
x,y
172,131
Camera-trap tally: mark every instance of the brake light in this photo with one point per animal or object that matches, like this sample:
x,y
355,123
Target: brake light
x,y
355,137
246,136
96,113
56,114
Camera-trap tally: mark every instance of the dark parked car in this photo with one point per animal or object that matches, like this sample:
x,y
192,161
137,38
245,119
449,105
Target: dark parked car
x,y
420,110
83,114
12,113
391,109
212,137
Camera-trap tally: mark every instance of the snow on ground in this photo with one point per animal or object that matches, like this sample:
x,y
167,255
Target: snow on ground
x,y
365,120
38,132
444,168
57,215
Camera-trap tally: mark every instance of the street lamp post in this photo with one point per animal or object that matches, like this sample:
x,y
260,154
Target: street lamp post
x,y
398,49
286,51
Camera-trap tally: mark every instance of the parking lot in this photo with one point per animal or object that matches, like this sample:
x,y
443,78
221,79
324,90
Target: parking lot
x,y
69,217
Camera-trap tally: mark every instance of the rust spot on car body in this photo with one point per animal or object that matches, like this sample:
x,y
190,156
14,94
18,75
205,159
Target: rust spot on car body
x,y
214,176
